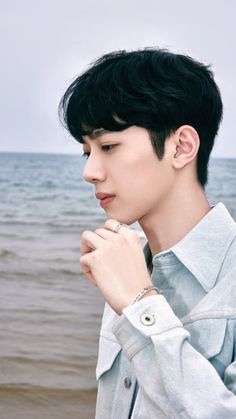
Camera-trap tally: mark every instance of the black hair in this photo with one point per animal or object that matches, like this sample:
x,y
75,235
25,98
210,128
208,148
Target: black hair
x,y
151,88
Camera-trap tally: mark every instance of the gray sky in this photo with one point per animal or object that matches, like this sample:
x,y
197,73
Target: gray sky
x,y
45,44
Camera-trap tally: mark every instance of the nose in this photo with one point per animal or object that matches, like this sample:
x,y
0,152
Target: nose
x,y
93,170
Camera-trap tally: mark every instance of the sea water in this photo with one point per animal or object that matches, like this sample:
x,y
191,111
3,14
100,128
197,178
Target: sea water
x,y
49,314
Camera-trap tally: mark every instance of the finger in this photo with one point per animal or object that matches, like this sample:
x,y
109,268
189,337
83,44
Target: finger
x,y
87,271
89,242
104,233
111,225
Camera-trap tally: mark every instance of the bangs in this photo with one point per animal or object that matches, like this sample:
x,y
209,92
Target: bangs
x,y
94,116
86,110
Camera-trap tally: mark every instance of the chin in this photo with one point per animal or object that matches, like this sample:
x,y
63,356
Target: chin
x,y
122,218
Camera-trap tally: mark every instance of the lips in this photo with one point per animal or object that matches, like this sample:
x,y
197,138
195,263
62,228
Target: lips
x,y
101,195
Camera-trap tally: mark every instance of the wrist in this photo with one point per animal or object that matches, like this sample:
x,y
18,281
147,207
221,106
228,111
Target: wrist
x,y
149,294
145,292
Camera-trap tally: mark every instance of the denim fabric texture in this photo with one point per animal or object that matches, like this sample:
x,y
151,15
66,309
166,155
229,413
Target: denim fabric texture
x,y
183,363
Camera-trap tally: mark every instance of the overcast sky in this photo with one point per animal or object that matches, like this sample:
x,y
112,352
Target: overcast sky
x,y
45,44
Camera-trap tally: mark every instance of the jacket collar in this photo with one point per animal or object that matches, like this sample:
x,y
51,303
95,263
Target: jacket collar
x,y
204,248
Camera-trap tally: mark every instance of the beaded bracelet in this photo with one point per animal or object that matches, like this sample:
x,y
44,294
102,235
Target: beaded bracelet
x,y
142,292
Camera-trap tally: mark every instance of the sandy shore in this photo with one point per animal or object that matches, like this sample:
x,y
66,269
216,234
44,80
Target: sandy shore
x,y
37,403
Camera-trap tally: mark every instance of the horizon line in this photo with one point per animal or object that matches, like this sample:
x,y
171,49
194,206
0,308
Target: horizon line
x,y
80,154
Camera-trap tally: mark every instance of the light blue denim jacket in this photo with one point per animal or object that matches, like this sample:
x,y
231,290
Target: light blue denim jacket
x,y
180,346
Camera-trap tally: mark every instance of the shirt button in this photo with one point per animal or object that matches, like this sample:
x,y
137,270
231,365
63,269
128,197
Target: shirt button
x,y
127,382
147,319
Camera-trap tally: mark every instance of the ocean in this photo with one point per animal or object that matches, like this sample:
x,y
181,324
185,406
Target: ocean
x,y
50,314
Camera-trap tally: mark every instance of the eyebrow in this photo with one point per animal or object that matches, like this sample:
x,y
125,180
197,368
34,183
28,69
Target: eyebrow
x,y
97,133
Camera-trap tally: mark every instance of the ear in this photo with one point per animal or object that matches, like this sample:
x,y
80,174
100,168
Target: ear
x,y
186,146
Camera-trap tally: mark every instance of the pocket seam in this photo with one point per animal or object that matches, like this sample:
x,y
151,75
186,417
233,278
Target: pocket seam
x,y
204,342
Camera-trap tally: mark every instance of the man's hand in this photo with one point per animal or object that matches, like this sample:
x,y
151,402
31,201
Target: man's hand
x,y
115,263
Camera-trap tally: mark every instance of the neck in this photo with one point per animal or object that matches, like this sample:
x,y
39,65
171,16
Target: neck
x,y
171,220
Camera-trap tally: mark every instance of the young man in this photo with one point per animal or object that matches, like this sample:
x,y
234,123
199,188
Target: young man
x,y
147,120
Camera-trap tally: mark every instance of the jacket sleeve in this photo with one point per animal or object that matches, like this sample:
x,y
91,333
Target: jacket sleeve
x,y
172,375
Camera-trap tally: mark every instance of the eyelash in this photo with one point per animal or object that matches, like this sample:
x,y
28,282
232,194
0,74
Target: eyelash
x,y
87,154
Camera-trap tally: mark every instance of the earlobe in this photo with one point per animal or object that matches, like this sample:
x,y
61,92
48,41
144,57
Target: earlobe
x,y
186,146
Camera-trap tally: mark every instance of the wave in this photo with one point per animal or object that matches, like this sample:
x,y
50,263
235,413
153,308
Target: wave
x,y
5,253
46,402
29,388
62,224
68,272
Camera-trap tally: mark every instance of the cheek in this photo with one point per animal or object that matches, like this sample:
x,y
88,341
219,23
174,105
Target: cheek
x,y
138,181
139,164
150,182
139,174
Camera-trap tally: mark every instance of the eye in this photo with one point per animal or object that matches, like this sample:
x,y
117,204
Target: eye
x,y
108,147
105,147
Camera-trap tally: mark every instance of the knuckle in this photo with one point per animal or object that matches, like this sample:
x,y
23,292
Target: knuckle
x,y
84,234
105,225
83,259
93,254
97,230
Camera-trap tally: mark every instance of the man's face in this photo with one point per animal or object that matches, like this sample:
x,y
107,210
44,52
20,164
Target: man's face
x,y
124,164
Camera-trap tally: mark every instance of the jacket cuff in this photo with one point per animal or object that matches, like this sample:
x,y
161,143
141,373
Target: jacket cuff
x,y
139,322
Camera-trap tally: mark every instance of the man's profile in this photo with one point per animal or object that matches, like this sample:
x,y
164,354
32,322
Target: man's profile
x,y
147,120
